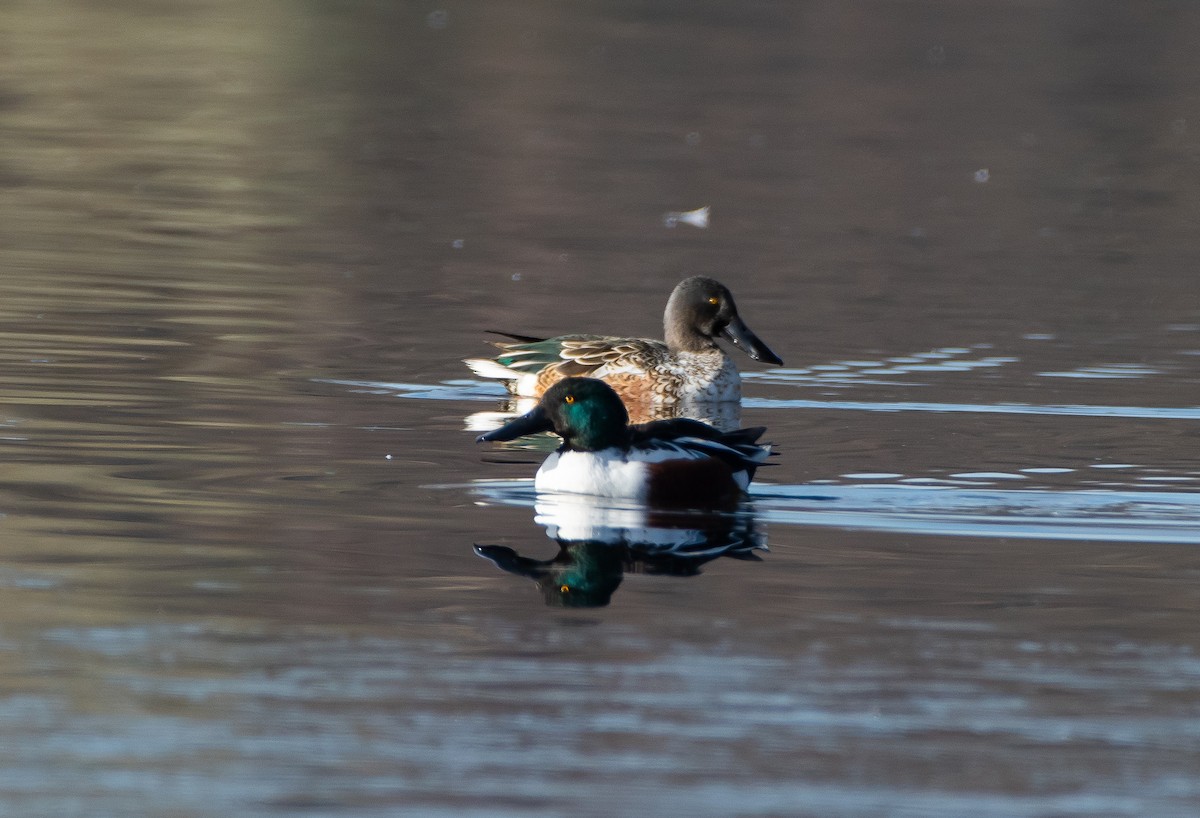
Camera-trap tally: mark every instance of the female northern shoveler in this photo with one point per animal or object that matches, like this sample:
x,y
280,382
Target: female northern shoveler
x,y
669,463
689,366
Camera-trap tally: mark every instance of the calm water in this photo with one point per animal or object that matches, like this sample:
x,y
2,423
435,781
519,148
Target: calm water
x,y
253,563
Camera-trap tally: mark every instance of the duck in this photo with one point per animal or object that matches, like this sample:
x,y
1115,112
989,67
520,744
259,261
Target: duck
x,y
687,366
677,463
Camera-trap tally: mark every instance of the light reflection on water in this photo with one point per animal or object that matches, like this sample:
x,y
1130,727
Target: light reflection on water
x,y
325,692
1095,516
482,391
1167,413
939,507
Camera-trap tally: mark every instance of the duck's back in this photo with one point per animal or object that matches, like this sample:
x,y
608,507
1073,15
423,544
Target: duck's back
x,y
640,370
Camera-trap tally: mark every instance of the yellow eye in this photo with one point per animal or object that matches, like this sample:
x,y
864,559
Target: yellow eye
x,y
714,300
569,399
562,589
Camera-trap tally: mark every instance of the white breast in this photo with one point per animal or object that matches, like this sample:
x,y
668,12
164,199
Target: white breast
x,y
615,473
602,474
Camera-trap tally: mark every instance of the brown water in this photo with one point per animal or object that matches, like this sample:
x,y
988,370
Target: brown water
x,y
244,246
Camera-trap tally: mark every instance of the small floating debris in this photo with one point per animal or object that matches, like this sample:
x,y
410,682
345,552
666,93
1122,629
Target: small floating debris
x,y
696,218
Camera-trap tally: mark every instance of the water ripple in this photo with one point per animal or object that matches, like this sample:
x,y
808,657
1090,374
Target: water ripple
x,y
1099,515
473,390
1076,410
948,509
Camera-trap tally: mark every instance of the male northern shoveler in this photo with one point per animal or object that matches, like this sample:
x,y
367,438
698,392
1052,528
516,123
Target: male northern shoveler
x,y
689,366
665,463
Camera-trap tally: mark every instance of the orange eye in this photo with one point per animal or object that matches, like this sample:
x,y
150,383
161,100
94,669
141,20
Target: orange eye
x,y
562,589
714,301
569,399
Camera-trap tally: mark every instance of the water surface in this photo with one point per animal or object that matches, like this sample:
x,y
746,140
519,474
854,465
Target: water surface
x,y
243,249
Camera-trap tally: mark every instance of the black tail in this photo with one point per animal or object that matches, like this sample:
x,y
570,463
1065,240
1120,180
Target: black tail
x,y
524,339
750,435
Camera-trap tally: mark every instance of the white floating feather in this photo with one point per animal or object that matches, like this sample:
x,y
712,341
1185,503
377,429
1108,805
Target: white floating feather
x,y
696,218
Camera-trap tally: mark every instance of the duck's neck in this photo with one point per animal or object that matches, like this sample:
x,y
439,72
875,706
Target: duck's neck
x,y
681,335
597,438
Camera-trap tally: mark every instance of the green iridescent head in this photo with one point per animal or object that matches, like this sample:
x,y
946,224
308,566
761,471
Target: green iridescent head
x,y
586,413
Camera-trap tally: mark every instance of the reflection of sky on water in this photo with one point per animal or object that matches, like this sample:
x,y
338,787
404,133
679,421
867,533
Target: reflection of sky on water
x,y
472,390
951,507
1166,413
1052,514
378,713
886,371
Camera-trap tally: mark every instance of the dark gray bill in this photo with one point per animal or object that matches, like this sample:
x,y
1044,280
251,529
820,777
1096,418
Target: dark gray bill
x,y
534,421
748,342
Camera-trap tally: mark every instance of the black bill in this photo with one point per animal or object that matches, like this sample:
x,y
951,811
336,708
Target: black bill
x,y
745,340
534,421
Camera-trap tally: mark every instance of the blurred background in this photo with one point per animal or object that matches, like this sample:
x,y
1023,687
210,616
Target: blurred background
x,y
244,246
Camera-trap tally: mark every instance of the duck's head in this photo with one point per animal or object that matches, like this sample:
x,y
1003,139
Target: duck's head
x,y
584,412
582,575
701,310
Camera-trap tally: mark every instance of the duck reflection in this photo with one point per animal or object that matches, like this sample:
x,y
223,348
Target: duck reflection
x,y
599,544
725,415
